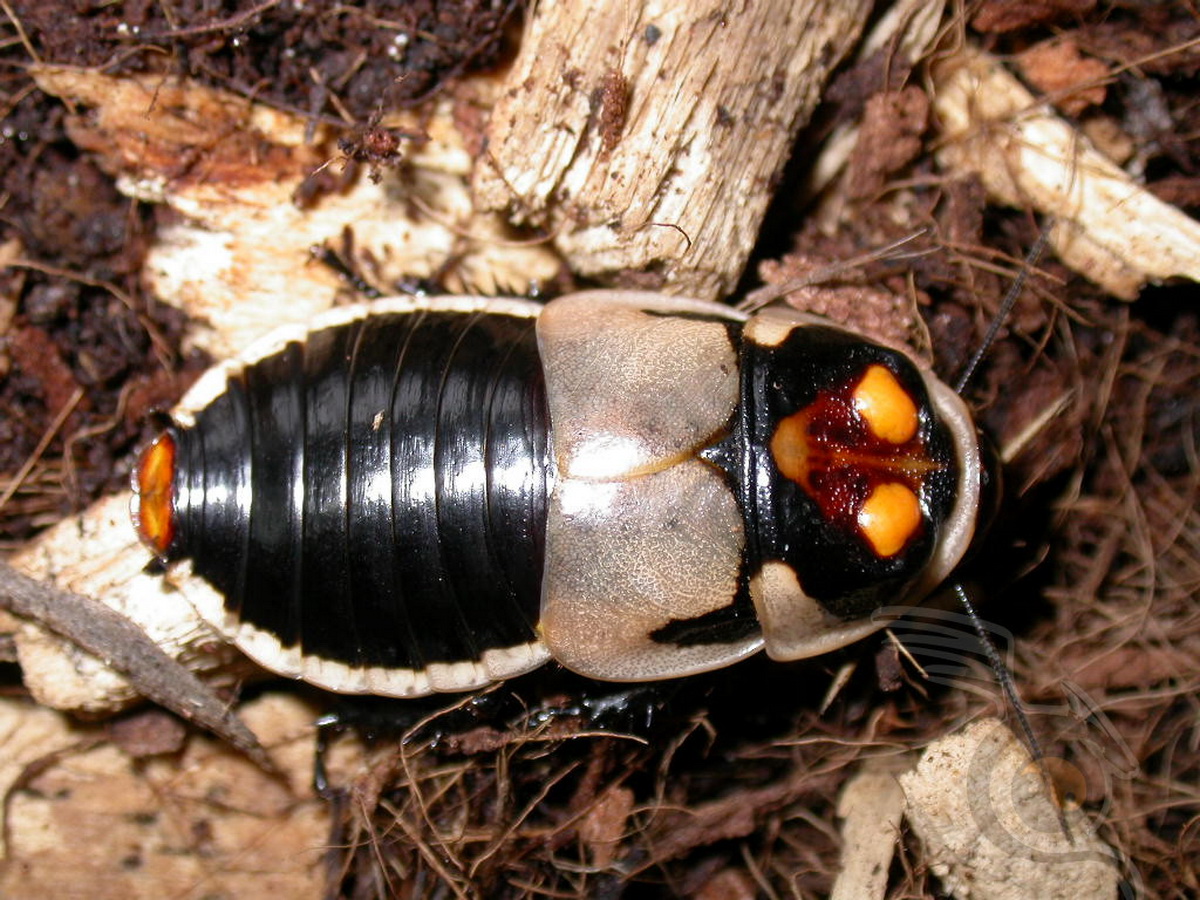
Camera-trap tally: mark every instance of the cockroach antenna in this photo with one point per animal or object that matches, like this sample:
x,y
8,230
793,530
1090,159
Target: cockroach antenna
x,y
1003,675
1006,307
1009,687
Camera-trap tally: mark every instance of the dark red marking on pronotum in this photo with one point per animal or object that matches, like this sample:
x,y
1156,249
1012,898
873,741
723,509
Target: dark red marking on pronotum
x,y
866,456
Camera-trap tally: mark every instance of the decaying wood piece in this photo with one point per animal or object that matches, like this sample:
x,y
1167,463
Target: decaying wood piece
x,y
992,831
1105,225
85,819
649,138
105,642
238,258
97,554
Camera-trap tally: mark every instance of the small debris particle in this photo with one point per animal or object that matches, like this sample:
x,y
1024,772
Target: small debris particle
x,y
999,16
1073,81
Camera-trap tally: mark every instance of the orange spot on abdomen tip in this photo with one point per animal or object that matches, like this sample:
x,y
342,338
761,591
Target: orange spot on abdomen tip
x,y
154,494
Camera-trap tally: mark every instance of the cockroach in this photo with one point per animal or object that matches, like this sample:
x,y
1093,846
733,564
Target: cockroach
x,y
435,493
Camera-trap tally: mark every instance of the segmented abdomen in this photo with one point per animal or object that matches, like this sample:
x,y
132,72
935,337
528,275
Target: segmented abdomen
x,y
376,495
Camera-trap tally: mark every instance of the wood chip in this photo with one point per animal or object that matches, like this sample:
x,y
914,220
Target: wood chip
x,y
605,824
871,805
237,258
86,819
991,830
97,554
120,644
1057,67
1105,225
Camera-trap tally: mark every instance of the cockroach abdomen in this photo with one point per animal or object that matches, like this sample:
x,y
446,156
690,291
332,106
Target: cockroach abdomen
x,y
374,498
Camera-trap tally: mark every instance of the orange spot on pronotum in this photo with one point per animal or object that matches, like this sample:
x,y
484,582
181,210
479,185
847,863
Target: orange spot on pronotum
x,y
886,406
889,518
154,490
